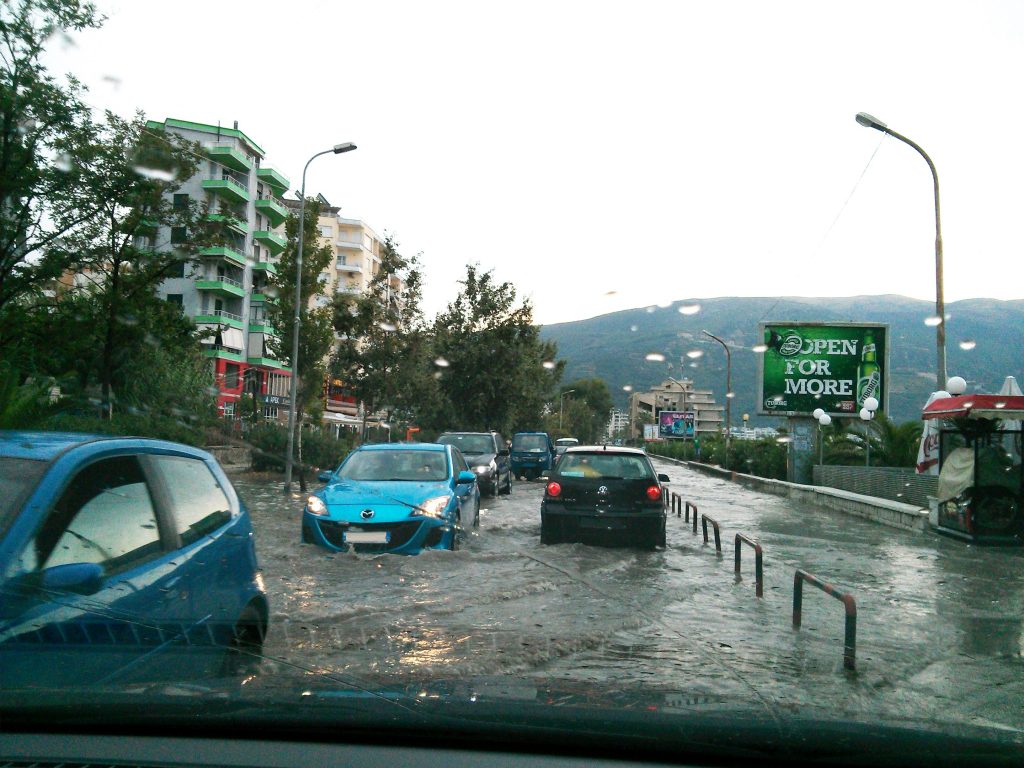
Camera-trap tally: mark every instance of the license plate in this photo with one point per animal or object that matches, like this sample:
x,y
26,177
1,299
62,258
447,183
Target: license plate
x,y
367,537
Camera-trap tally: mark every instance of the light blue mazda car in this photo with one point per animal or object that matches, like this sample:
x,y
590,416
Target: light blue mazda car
x,y
400,498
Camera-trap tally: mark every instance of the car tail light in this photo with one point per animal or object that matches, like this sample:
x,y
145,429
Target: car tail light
x,y
554,489
654,493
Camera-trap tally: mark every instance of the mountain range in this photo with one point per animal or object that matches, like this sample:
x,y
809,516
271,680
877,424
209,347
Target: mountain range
x,y
984,344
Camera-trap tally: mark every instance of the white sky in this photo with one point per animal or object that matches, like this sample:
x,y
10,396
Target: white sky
x,y
660,150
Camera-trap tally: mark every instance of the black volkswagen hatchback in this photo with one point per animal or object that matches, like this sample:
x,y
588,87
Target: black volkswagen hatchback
x,y
604,494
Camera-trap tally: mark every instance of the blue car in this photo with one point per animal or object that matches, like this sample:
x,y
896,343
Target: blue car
x,y
121,560
400,498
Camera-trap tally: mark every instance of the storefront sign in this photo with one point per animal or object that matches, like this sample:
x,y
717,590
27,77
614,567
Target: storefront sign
x,y
278,400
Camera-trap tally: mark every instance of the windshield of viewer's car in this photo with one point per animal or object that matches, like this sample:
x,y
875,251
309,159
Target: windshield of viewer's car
x,y
422,466
605,466
530,443
469,444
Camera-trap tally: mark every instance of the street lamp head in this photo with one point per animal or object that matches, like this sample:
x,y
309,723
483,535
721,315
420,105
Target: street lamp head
x,y
871,403
824,419
956,385
865,414
870,122
818,413
348,146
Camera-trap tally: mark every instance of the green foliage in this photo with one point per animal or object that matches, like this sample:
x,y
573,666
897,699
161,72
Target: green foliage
x,y
892,445
319,448
763,458
583,413
136,424
44,128
23,405
496,377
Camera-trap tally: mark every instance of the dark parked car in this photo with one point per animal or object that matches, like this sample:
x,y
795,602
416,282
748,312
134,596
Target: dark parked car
x,y
488,457
606,494
121,559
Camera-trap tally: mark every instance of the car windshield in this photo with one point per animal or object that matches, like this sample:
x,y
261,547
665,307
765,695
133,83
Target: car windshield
x,y
400,286
533,443
421,466
607,466
469,444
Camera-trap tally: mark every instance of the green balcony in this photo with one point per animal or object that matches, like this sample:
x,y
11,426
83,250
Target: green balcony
x,y
231,157
265,266
262,298
262,327
267,362
231,222
276,181
227,188
276,243
222,286
223,252
223,354
221,317
273,210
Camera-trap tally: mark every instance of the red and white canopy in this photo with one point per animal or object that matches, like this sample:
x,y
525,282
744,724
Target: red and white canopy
x,y
976,406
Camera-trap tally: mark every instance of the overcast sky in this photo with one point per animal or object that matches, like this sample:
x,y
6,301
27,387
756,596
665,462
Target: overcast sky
x,y
603,156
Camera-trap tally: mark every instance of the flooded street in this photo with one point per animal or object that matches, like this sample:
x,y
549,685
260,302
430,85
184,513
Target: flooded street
x,y
939,628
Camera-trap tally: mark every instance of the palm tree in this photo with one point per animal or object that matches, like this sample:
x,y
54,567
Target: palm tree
x,y
892,445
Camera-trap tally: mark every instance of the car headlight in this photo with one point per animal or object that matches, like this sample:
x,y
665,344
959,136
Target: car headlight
x,y
315,506
432,507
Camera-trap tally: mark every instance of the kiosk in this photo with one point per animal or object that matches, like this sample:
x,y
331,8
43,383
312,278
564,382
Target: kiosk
x,y
981,476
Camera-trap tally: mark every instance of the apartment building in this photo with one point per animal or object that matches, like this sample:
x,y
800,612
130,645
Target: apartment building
x,y
618,424
356,260
674,395
224,293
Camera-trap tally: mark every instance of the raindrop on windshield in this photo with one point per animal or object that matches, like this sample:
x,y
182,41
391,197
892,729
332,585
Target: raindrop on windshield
x,y
387,326
664,304
730,395
933,321
62,163
634,328
610,293
441,363
760,348
113,82
655,357
689,309
651,310
968,344
693,354
1000,404
549,364
437,374
156,174
627,388
694,365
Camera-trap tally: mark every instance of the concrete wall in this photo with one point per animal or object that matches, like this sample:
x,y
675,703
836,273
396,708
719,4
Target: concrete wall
x,y
896,514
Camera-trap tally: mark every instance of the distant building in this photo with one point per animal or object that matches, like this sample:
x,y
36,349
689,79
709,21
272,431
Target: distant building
x,y
618,424
673,395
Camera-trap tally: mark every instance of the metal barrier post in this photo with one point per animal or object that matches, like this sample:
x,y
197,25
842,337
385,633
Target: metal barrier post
x,y
690,506
850,640
758,564
704,520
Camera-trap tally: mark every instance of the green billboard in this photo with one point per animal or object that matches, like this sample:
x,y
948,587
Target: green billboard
x,y
834,366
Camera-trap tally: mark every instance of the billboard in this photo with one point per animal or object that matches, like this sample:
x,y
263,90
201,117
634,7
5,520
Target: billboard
x,y
832,366
676,424
651,432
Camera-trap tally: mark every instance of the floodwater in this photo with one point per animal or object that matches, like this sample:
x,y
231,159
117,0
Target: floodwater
x,y
939,625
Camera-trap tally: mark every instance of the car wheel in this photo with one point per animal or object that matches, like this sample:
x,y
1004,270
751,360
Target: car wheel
x,y
663,538
547,532
246,644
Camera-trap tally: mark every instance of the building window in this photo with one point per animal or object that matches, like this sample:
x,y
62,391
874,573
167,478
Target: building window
x,y
229,410
230,376
326,232
179,235
177,269
175,298
181,201
270,412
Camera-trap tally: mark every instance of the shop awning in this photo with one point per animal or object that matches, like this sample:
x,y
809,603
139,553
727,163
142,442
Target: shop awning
x,y
976,406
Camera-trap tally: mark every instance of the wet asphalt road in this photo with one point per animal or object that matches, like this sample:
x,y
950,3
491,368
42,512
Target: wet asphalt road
x,y
939,633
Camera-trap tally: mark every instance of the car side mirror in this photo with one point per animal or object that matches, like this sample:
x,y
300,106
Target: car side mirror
x,y
80,578
663,478
325,476
465,478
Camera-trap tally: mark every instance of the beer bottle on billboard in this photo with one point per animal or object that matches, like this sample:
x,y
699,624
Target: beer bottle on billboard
x,y
869,375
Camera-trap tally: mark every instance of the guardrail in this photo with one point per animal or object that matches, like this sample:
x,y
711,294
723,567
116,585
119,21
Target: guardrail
x,y
704,520
850,639
758,564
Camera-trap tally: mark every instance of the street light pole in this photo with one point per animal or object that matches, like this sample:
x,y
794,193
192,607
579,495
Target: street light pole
x,y
337,149
561,404
863,118
728,393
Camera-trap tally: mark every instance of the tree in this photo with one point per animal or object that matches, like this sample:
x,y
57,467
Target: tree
x,y
384,349
115,260
584,411
45,128
315,332
892,445
498,374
